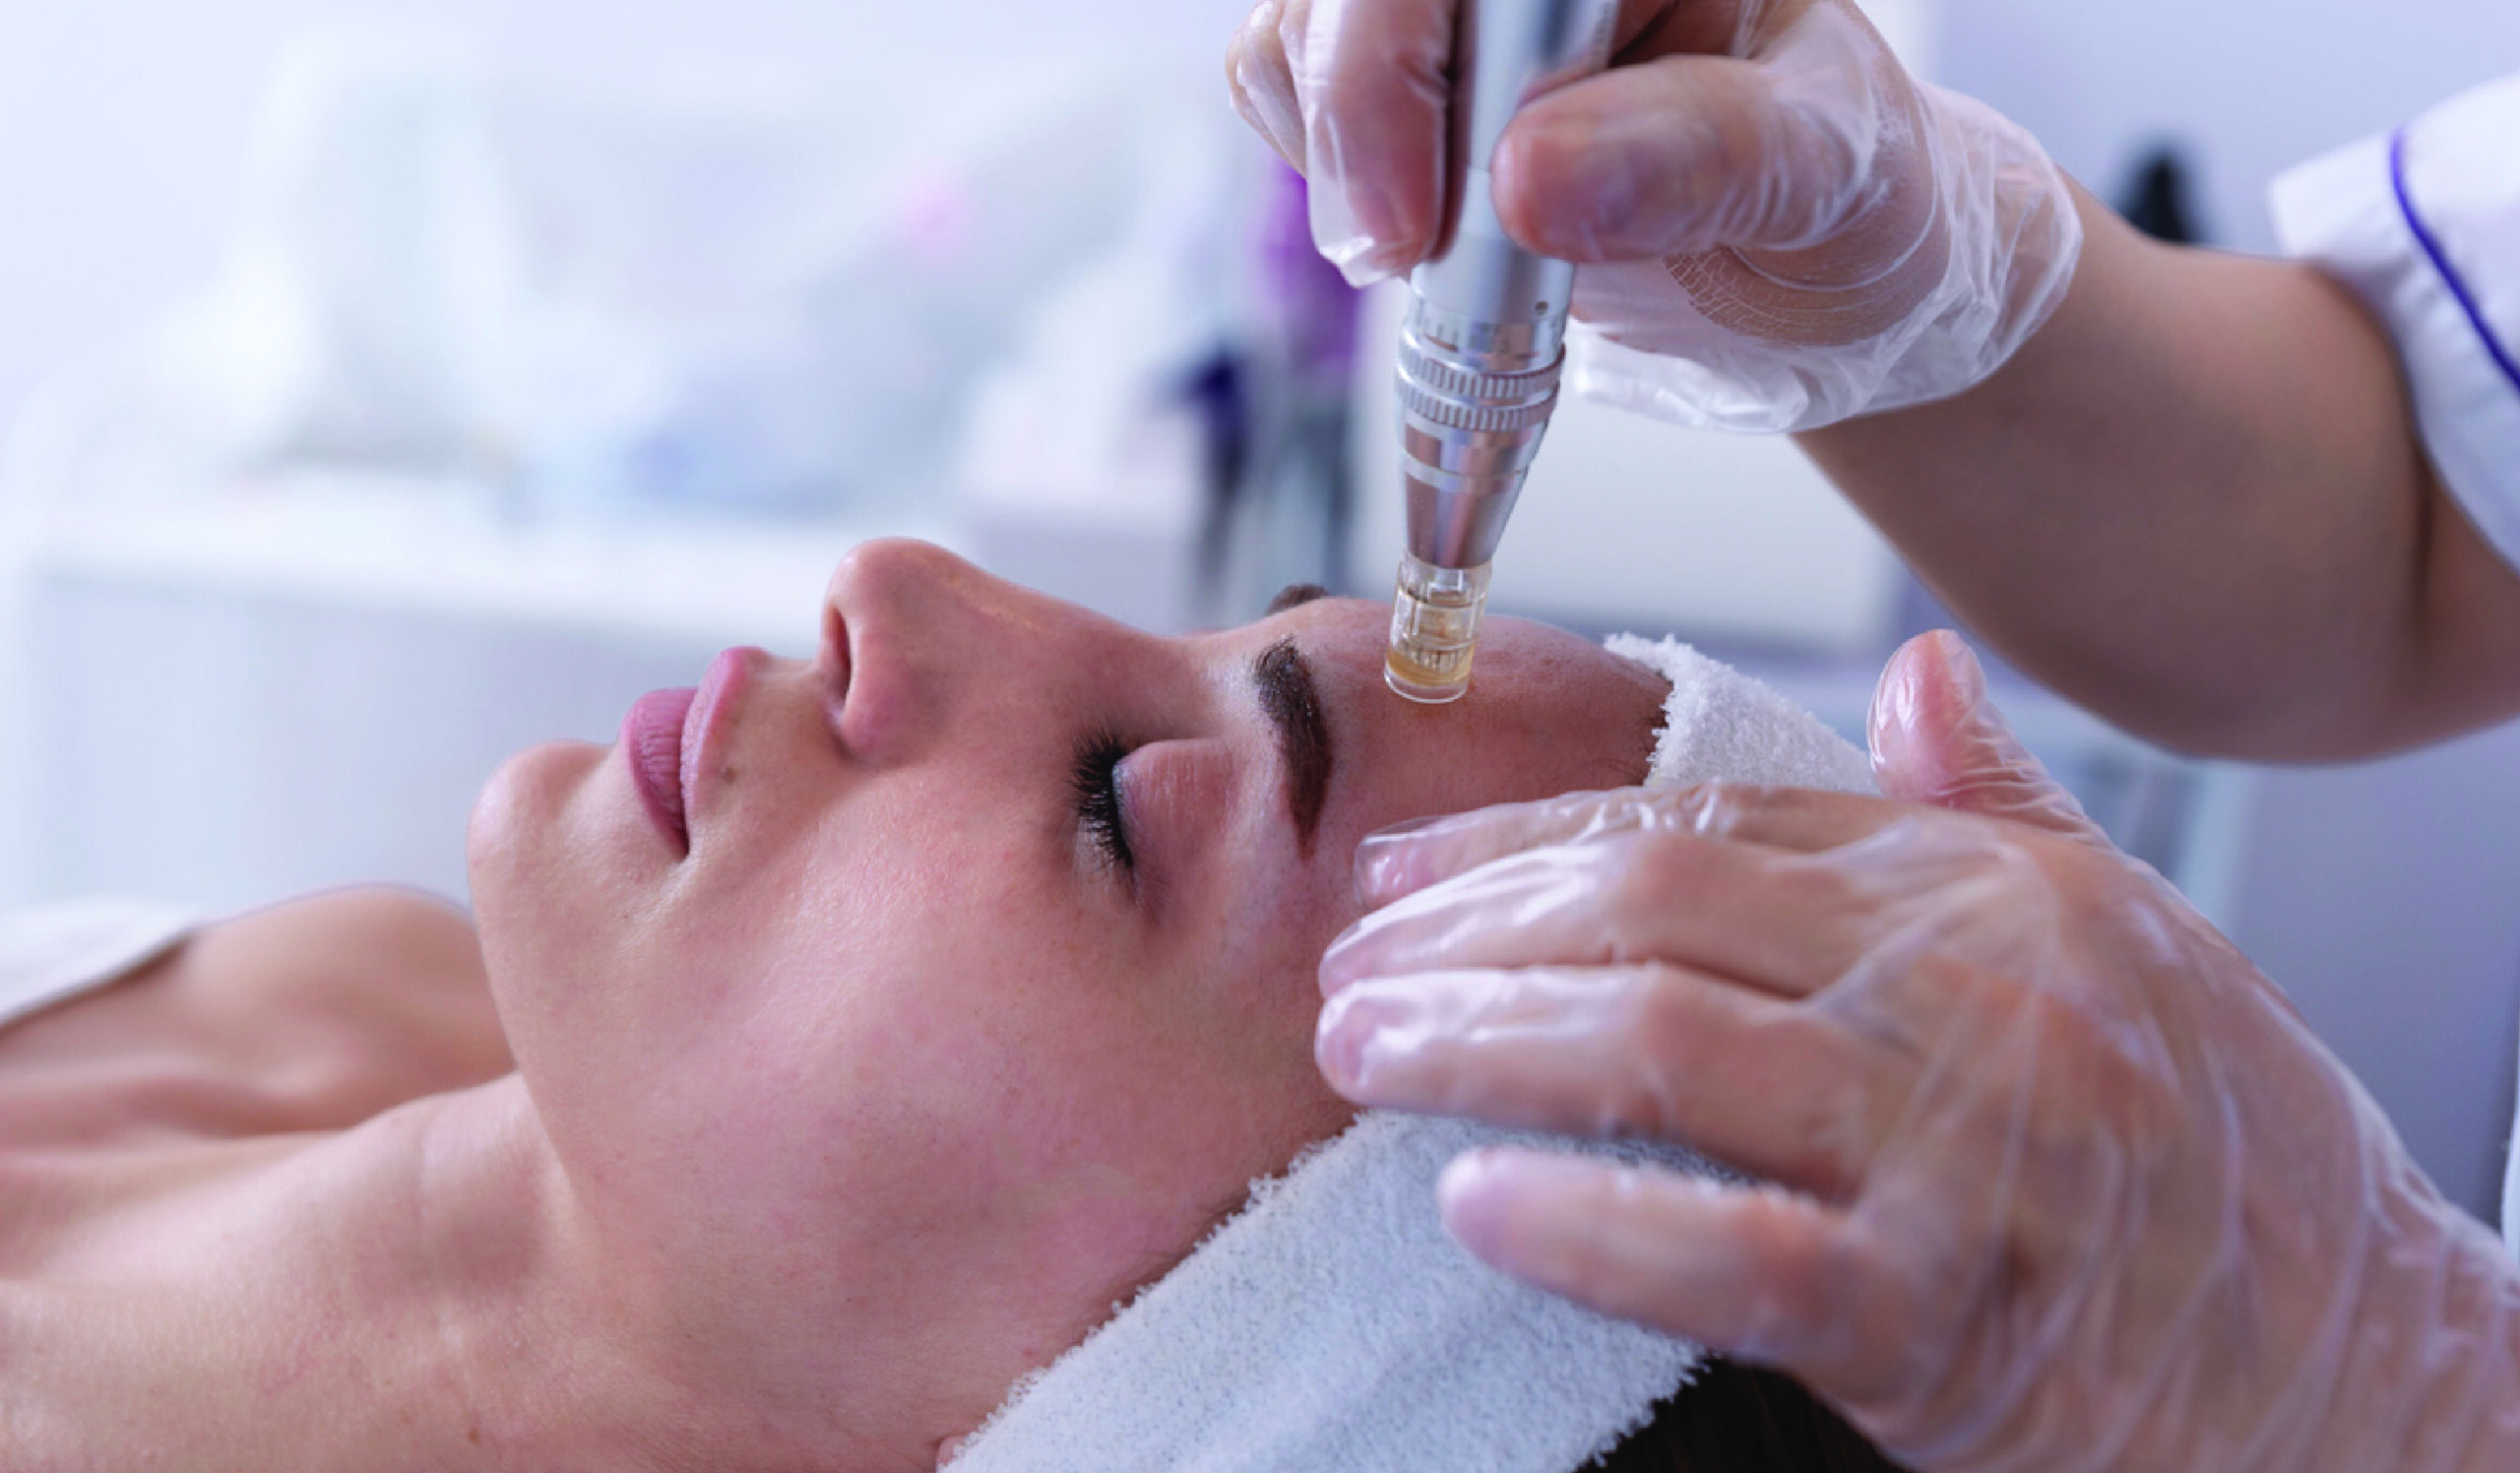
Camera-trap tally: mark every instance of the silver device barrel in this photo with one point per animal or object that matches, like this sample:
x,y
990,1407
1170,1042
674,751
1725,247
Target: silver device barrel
x,y
1483,341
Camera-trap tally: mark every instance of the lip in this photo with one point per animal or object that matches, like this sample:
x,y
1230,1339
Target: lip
x,y
669,738
651,743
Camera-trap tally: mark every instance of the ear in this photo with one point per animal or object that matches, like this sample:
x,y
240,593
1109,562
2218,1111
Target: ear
x,y
1937,739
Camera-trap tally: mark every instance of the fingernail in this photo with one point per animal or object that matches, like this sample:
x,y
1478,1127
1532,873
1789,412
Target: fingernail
x,y
1269,116
1356,226
1342,963
1912,705
1376,858
1263,90
1339,1050
1471,1203
1347,1036
1968,676
1362,953
1407,827
1600,226
1480,1193
1360,260
1614,204
1383,867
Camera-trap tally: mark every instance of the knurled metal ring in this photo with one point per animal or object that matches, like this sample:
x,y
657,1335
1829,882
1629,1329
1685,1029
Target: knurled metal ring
x,y
1441,377
1453,412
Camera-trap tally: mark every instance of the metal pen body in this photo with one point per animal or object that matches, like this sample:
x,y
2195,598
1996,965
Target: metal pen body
x,y
1484,341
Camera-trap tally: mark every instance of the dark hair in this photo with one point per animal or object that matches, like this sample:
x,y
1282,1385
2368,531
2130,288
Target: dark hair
x,y
1738,1418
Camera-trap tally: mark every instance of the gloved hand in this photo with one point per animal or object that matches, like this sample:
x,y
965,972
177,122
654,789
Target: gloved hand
x,y
2057,1179
1779,227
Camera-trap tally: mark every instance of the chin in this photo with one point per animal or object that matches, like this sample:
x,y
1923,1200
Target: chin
x,y
523,814
526,863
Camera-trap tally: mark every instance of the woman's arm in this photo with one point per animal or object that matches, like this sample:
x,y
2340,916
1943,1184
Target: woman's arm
x,y
2195,502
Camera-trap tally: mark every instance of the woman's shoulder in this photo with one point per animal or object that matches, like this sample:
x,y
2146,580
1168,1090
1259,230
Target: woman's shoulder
x,y
339,951
311,1014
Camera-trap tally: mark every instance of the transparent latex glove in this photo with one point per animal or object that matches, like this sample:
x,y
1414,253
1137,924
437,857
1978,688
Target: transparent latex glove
x,y
2054,1179
1779,227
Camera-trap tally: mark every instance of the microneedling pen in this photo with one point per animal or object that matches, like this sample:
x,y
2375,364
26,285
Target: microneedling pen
x,y
1483,344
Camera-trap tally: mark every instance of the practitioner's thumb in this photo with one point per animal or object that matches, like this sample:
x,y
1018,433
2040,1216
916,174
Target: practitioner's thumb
x,y
1937,739
1782,149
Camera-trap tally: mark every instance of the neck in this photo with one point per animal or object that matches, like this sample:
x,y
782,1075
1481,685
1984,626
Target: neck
x,y
414,1293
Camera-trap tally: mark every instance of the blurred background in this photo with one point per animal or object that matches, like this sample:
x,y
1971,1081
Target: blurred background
x,y
384,387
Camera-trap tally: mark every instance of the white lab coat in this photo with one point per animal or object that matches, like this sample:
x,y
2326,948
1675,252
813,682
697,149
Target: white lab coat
x,y
2424,224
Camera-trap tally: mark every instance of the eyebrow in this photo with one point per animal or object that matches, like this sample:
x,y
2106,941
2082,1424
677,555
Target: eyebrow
x,y
1296,596
1294,708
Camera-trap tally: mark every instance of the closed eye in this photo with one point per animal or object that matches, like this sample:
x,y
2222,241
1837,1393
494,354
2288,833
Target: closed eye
x,y
1099,815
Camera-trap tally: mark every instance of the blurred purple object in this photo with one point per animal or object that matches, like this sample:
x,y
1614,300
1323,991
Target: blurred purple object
x,y
1314,307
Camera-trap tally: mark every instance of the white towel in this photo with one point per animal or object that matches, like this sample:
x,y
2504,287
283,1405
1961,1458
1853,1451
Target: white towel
x,y
1333,1326
52,953
1720,725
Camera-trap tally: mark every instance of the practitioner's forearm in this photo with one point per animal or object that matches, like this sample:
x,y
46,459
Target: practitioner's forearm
x,y
2195,501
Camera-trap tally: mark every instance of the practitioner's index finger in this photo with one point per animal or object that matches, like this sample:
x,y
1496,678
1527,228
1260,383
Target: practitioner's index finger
x,y
1802,820
1403,859
1400,862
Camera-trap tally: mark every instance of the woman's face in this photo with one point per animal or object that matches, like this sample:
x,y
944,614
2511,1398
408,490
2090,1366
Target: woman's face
x,y
984,981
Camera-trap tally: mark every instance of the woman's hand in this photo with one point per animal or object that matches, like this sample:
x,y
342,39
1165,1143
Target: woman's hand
x,y
1781,225
2058,1180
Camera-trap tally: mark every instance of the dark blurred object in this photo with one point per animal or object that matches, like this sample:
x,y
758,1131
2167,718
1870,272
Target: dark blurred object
x,y
1281,499
1739,1419
1221,392
2159,197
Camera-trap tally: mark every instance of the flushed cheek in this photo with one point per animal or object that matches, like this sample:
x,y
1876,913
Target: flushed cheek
x,y
1033,1113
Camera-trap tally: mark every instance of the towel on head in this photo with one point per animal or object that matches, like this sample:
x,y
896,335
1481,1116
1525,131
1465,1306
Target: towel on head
x,y
1721,725
1333,1324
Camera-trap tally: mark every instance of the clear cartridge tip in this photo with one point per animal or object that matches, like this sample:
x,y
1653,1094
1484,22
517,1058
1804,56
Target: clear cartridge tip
x,y
1434,630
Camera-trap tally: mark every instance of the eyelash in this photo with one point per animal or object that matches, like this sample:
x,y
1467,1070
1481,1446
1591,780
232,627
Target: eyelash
x,y
1096,781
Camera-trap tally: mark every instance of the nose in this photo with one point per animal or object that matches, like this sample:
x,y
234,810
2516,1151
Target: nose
x,y
918,642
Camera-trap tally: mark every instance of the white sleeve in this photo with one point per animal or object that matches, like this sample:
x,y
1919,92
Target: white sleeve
x,y
2424,224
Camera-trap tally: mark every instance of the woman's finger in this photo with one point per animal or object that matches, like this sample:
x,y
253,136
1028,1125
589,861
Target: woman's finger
x,y
1785,923
1655,1051
1757,1274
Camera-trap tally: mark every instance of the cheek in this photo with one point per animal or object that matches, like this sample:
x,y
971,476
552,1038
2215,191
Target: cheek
x,y
1544,738
921,1004
932,1060
1060,1117
966,1115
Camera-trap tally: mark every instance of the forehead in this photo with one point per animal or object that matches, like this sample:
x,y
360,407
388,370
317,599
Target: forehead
x,y
1547,712
1517,653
